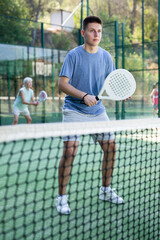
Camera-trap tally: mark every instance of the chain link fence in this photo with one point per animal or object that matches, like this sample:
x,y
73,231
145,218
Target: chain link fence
x,y
38,50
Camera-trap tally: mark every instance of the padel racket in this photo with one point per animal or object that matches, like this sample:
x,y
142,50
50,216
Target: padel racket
x,y
119,85
42,96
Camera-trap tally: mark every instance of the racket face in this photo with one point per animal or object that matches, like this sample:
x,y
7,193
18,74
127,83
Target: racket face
x,y
119,85
42,96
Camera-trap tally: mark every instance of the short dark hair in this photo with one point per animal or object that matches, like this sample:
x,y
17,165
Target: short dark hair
x,y
91,19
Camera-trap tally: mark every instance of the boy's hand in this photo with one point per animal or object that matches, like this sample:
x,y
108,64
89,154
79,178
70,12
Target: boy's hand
x,y
90,100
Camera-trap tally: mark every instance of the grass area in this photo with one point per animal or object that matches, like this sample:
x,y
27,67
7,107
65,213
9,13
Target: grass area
x,y
29,186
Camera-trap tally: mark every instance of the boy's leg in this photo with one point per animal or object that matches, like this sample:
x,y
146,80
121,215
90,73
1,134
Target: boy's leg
x,y
109,150
65,166
106,193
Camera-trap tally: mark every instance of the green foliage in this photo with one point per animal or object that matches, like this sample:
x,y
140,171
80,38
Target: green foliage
x,y
121,11
60,41
20,35
13,30
63,41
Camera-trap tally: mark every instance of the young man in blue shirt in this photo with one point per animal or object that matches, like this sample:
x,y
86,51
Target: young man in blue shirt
x,y
81,78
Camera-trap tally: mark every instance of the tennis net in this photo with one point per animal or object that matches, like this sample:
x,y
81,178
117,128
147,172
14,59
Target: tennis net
x,y
29,161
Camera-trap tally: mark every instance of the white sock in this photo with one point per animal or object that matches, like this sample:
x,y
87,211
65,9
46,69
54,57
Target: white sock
x,y
105,188
61,195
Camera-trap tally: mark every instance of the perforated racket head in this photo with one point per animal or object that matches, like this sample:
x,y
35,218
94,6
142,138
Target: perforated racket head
x,y
42,96
119,85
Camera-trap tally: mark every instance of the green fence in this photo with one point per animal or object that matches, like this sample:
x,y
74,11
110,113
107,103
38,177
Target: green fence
x,y
39,54
141,59
17,31
28,48
43,65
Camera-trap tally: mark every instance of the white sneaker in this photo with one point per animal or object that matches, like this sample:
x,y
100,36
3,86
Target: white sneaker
x,y
111,196
62,205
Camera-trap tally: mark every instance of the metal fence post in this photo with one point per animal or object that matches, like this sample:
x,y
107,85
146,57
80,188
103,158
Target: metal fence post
x,y
159,58
116,63
42,45
123,66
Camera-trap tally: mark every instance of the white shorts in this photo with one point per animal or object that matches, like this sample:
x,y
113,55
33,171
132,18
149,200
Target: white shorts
x,y
73,116
17,112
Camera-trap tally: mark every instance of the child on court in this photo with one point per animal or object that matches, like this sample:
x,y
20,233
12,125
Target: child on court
x,y
81,79
24,98
154,95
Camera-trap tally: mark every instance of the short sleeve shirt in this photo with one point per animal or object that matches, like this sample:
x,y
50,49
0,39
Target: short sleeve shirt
x,y
86,72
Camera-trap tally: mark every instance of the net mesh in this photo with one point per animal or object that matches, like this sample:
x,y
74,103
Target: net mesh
x,y
30,156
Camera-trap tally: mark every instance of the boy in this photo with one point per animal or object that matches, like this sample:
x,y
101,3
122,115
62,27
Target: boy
x,y
81,78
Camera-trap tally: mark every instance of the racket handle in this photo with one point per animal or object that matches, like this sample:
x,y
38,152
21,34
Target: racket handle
x,y
97,98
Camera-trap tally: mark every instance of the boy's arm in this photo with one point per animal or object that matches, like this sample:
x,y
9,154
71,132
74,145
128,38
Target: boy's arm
x,y
67,88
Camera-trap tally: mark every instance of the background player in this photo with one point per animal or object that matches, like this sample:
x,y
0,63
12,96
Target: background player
x,y
154,96
24,98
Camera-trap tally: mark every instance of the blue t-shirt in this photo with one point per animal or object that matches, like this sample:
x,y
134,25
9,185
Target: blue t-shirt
x,y
87,72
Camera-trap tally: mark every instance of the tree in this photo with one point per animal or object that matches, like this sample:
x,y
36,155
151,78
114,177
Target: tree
x,y
133,16
36,8
12,30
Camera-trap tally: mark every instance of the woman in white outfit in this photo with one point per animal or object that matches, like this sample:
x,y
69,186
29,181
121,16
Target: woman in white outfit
x,y
24,98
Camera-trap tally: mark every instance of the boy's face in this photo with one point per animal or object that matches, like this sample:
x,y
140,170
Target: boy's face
x,y
93,33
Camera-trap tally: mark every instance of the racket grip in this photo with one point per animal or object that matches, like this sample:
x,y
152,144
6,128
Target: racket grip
x,y
97,98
